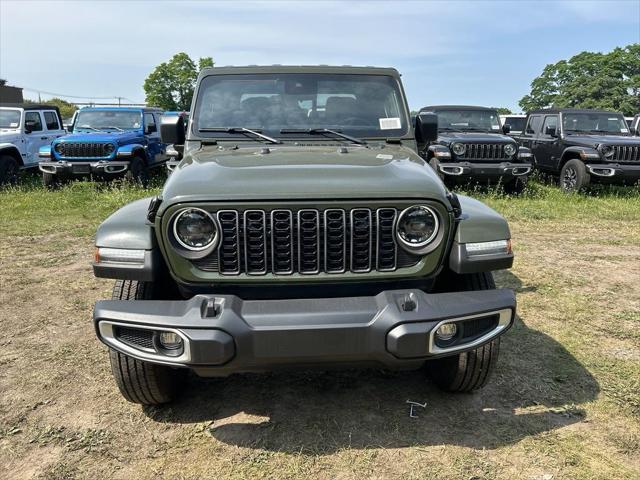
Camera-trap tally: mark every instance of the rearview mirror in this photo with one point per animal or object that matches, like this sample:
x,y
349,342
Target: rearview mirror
x,y
426,127
550,130
506,129
172,129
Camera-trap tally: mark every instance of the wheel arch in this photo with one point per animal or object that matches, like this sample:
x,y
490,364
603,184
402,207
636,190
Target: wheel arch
x,y
12,150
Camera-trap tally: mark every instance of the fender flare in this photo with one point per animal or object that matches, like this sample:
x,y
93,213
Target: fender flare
x,y
11,149
131,150
576,151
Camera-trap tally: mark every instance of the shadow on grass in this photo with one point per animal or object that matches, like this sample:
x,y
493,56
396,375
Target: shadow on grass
x,y
538,386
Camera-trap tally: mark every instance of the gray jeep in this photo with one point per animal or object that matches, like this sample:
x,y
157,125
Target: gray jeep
x,y
301,229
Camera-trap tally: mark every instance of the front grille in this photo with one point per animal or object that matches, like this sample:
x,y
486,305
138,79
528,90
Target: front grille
x,y
485,151
135,337
306,241
84,149
626,153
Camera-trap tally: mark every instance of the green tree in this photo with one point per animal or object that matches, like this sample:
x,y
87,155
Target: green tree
x,y
66,108
609,81
170,85
503,111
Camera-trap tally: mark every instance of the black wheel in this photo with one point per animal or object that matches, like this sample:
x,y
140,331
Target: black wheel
x,y
574,176
471,370
138,173
142,382
8,170
50,180
515,186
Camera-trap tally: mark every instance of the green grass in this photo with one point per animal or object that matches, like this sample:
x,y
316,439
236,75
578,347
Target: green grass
x,y
30,209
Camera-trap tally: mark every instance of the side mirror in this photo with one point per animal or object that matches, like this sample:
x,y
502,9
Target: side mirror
x,y
634,131
426,127
149,129
506,129
172,129
28,127
551,131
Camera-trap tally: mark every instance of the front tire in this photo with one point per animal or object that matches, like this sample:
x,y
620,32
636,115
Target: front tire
x,y
142,382
468,371
8,170
138,173
515,186
574,176
50,180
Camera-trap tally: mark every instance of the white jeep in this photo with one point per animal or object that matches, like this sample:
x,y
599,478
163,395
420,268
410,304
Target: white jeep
x,y
23,130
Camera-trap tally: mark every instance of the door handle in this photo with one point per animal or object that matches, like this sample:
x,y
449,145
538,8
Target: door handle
x,y
44,138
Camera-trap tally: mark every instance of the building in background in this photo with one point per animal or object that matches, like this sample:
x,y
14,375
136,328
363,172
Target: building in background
x,y
9,94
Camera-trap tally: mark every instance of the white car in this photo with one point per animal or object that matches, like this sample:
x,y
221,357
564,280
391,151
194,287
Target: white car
x,y
516,122
23,130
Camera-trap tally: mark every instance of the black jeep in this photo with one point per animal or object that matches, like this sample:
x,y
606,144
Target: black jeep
x,y
582,146
471,146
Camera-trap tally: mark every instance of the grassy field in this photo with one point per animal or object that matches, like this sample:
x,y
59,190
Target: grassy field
x,y
564,404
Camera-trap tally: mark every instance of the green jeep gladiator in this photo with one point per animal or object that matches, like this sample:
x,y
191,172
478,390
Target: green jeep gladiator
x,y
301,229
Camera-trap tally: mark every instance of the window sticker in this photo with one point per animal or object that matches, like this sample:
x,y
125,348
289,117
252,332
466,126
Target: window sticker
x,y
389,123
612,119
13,125
624,130
495,127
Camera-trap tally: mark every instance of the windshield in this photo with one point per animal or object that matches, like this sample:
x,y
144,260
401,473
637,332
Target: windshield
x,y
108,120
9,118
609,123
516,123
277,104
468,120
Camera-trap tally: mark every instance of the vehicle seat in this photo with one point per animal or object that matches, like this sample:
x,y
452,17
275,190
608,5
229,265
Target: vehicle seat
x,y
338,109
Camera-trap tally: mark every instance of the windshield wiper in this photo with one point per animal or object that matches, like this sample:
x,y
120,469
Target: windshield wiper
x,y
242,130
112,128
88,128
324,131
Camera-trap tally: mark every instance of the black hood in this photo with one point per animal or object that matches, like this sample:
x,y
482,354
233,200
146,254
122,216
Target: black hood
x,y
595,140
446,138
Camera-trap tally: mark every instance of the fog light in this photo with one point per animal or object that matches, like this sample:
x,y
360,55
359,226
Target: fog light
x,y
446,331
170,340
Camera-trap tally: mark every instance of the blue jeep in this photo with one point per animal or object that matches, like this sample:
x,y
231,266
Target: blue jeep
x,y
106,143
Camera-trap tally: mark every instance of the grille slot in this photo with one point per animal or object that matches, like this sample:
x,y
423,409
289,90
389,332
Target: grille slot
x,y
255,242
307,241
135,337
626,153
476,327
85,150
335,241
484,151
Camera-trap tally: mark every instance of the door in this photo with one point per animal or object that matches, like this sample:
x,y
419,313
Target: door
x,y
530,132
155,149
54,128
36,139
547,146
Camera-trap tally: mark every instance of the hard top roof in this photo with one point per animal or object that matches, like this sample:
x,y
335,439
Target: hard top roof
x,y
431,108
30,106
124,108
571,110
330,69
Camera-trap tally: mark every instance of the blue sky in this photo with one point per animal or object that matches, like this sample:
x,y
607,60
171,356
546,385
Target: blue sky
x,y
483,53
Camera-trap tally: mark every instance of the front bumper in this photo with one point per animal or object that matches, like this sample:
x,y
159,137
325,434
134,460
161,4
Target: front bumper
x,y
66,168
466,170
225,334
614,172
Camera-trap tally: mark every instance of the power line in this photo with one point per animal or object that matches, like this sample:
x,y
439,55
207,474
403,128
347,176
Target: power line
x,y
76,96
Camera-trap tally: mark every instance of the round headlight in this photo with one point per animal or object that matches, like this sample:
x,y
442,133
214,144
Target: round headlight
x,y
417,227
195,229
109,148
459,149
59,148
606,150
510,149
